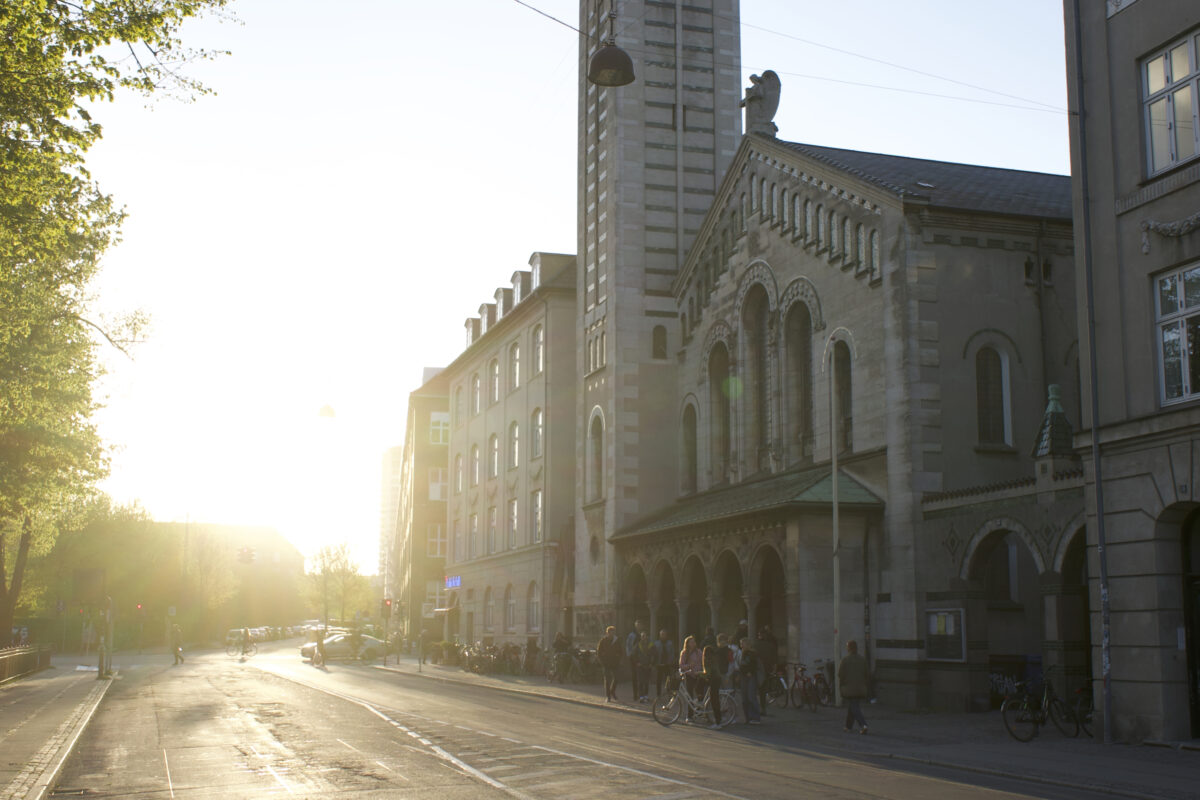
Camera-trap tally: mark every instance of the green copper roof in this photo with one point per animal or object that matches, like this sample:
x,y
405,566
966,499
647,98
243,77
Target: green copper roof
x,y
796,489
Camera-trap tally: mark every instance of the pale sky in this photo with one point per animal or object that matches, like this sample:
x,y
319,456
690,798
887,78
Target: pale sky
x,y
369,171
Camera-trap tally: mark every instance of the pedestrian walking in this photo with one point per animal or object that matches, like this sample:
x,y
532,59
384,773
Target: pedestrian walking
x,y
854,677
750,667
665,660
177,643
424,643
768,654
631,642
713,663
609,652
691,669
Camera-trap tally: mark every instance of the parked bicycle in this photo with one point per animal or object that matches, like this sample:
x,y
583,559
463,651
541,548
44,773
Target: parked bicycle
x,y
1025,712
809,690
1081,708
578,666
775,688
676,701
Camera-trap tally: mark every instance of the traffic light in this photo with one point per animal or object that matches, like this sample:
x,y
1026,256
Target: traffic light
x,y
385,607
139,606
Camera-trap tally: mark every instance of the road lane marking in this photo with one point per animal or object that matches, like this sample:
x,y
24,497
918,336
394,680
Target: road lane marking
x,y
170,786
352,747
271,770
643,773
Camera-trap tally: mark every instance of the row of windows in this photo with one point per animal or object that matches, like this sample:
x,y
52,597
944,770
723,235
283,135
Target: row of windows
x,y
537,366
1171,90
533,609
477,543
470,471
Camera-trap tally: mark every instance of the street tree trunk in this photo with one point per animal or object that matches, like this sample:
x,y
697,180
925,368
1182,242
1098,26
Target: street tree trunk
x,y
10,590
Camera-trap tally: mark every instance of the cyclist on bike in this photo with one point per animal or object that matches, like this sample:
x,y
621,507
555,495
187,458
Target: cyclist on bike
x,y
245,641
319,654
691,668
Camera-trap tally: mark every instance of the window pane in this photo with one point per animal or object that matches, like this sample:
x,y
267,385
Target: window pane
x,y
1172,364
1168,295
1179,63
1185,130
1160,148
1191,288
1193,344
1156,76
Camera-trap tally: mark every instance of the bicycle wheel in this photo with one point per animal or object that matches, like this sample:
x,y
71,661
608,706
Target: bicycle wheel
x,y
824,693
667,708
810,697
252,650
1021,718
776,692
728,710
232,650
1082,709
797,695
1063,719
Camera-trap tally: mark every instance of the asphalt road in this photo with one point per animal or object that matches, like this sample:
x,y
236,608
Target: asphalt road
x,y
274,725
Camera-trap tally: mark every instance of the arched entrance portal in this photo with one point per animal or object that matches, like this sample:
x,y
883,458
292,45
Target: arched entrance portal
x,y
1006,612
697,614
666,613
727,582
1073,616
771,606
1191,600
636,606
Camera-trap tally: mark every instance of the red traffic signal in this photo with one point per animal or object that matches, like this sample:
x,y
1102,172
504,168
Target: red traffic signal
x,y
385,607
139,606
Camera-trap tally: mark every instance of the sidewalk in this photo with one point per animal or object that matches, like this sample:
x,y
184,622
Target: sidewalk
x,y
974,743
41,718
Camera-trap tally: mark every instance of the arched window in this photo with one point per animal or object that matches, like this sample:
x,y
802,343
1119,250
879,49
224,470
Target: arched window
x,y
536,425
603,348
755,378
718,403
809,214
533,608
874,254
832,227
493,522
821,236
458,474
493,456
742,214
863,256
514,367
774,202
764,203
799,391
494,381
514,445
848,240
459,408
797,220
473,536
689,449
783,210
753,194
991,397
539,349
489,610
683,327
658,342
510,609
476,394
845,396
595,475
535,516
475,465
513,521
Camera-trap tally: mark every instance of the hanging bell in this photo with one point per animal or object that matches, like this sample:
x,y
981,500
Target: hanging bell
x,y
610,66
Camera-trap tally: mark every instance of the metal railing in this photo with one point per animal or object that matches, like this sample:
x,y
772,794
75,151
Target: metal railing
x,y
18,661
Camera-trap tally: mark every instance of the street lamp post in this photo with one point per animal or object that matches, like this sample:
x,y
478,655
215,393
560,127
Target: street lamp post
x,y
829,358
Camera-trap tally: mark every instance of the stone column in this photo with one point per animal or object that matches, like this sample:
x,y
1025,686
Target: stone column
x,y
714,611
751,600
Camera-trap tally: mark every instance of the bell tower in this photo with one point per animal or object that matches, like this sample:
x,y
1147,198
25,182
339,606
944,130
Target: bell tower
x,y
651,155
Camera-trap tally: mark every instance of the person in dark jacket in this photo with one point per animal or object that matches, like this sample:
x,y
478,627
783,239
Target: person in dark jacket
x,y
854,676
610,652
712,676
751,671
768,655
641,661
666,660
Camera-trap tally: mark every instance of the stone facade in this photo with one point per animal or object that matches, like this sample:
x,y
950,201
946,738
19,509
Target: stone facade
x,y
1137,197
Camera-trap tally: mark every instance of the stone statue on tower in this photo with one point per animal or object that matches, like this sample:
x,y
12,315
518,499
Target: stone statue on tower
x,y
761,103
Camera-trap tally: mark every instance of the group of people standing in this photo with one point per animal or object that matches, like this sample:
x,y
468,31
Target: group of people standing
x,y
718,659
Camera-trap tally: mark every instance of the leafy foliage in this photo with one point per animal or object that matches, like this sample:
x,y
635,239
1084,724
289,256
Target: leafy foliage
x,y
55,224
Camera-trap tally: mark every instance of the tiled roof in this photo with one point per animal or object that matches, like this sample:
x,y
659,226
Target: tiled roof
x,y
811,487
943,184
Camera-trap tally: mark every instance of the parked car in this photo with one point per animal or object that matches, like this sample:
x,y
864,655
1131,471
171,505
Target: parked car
x,y
338,646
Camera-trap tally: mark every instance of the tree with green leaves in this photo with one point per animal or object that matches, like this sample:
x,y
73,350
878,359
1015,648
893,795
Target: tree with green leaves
x,y
334,582
56,58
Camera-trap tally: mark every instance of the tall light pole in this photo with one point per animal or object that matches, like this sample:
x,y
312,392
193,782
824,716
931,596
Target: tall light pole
x,y
829,358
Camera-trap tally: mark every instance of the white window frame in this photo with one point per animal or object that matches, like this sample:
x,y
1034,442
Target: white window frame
x,y
439,427
533,610
1172,85
539,349
493,522
473,536
536,514
514,444
438,483
493,456
436,542
514,520
537,423
514,366
510,609
1177,319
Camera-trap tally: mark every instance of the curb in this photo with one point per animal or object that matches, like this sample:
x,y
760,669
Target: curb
x,y
43,769
929,762
518,691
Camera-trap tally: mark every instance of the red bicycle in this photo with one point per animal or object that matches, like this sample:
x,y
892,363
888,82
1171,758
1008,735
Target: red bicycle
x,y
807,690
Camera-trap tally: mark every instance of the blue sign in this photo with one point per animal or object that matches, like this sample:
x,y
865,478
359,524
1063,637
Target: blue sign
x,y
453,581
